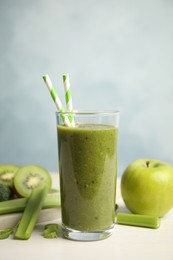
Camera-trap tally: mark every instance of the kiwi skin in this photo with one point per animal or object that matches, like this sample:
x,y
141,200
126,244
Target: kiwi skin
x,y
30,177
7,173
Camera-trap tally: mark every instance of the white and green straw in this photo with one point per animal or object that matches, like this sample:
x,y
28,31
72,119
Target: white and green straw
x,y
56,99
68,97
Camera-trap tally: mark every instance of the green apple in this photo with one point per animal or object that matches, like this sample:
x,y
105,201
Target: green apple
x,y
147,187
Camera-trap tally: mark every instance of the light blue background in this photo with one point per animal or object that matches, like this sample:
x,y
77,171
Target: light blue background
x,y
119,55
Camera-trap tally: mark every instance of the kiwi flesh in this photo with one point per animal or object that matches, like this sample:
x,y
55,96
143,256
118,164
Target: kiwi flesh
x,y
30,177
7,173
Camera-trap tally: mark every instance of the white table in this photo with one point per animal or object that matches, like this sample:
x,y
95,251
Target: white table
x,y
126,243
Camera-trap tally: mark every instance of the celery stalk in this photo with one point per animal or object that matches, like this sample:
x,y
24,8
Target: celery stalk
x,y
138,220
18,205
31,213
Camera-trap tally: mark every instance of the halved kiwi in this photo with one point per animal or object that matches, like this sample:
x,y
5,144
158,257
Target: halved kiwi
x,y
30,177
7,173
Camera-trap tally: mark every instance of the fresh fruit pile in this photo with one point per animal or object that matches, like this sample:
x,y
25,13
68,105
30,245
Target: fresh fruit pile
x,y
25,189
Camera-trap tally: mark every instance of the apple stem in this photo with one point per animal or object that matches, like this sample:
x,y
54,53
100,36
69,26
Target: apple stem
x,y
147,163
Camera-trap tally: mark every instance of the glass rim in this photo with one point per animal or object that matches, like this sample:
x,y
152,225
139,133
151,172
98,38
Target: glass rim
x,y
89,112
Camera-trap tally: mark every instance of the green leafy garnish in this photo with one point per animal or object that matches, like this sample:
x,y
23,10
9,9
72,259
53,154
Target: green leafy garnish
x,y
6,233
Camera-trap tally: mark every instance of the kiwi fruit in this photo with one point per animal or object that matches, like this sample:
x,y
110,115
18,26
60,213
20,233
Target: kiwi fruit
x,y
7,173
30,177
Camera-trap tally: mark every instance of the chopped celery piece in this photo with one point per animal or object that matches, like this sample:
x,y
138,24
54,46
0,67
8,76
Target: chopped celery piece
x,y
31,213
138,220
51,231
18,205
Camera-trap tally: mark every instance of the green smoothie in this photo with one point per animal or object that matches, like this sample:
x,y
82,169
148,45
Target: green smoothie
x,y
87,165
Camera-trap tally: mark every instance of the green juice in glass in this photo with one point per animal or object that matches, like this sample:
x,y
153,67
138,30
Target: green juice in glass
x,y
87,165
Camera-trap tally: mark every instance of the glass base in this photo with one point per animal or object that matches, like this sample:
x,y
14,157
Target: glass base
x,y
86,235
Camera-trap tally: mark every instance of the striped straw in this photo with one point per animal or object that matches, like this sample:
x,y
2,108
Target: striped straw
x,y
56,99
68,97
